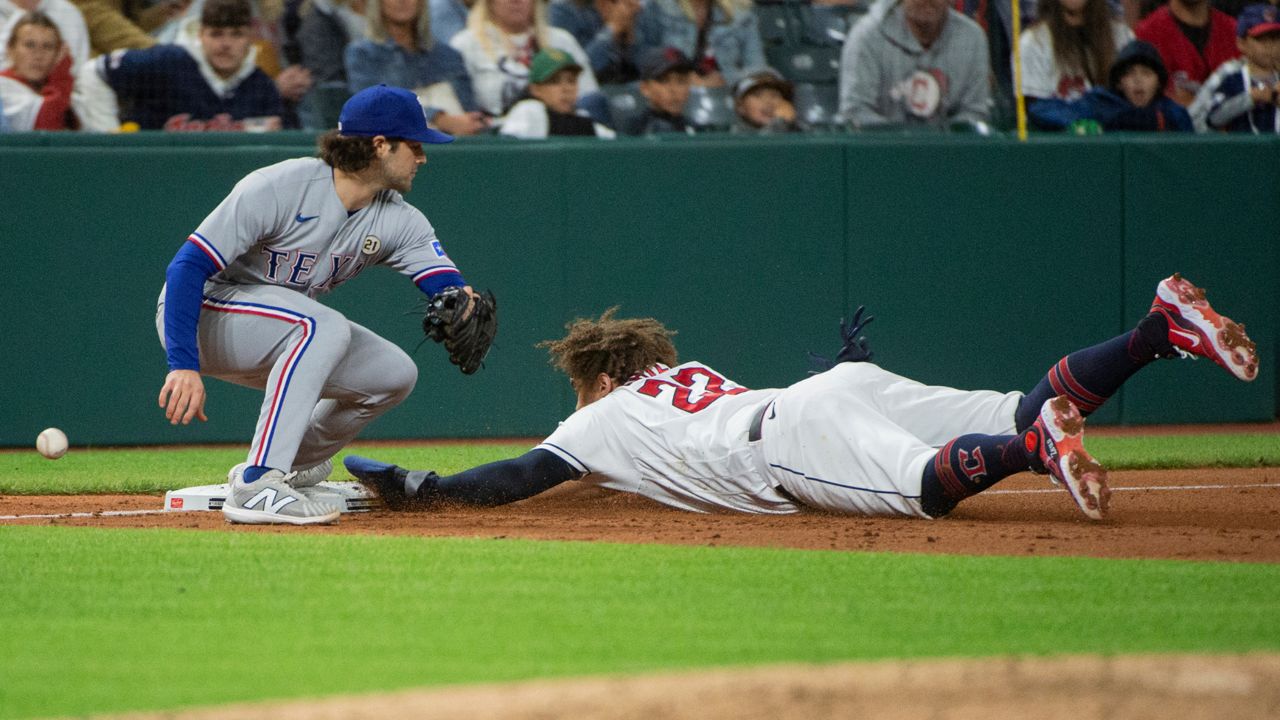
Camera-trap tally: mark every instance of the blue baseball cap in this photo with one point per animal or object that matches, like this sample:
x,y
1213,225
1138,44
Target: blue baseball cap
x,y
1255,20
389,111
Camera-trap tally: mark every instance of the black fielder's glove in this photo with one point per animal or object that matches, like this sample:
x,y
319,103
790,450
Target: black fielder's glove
x,y
854,346
465,324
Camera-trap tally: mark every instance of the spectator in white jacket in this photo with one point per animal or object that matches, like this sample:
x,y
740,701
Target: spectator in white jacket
x,y
499,43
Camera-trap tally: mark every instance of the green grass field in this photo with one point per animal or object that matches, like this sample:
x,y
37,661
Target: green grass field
x,y
96,620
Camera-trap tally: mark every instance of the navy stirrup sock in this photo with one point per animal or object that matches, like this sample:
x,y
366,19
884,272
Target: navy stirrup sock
x,y
968,465
1091,376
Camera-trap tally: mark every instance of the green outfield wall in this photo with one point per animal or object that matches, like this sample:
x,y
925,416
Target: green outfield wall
x,y
984,261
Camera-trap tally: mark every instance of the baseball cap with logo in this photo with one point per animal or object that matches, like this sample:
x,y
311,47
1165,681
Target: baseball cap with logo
x,y
1255,20
389,111
549,62
658,61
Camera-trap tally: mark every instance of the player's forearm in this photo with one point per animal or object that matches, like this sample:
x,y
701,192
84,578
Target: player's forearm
x,y
184,291
499,483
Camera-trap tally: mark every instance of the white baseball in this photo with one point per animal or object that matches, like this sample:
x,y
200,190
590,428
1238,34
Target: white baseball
x,y
52,443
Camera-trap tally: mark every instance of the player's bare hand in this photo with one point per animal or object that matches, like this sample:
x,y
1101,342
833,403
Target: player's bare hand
x,y
293,82
471,301
182,397
468,123
1261,94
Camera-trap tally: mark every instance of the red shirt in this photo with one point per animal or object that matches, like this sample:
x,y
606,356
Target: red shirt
x,y
54,112
1187,67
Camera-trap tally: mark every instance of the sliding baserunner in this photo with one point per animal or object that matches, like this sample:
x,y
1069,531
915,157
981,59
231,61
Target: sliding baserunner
x,y
855,439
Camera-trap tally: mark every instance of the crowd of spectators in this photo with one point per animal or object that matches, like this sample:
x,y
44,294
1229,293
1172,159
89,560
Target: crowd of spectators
x,y
539,68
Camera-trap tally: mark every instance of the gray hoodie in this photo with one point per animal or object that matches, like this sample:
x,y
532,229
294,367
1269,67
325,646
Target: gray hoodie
x,y
887,77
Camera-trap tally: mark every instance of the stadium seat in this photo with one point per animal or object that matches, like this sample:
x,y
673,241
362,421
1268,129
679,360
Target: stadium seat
x,y
625,103
806,64
818,106
780,23
829,24
709,108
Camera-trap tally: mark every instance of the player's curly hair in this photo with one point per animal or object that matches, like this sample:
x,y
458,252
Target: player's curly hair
x,y
617,348
349,153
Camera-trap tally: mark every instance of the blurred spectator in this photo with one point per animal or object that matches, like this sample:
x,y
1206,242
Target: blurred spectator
x,y
448,17
722,37
70,23
763,103
665,75
212,84
1069,50
996,19
116,24
918,63
36,87
327,27
606,30
549,108
1241,95
273,52
400,51
1134,99
1193,38
499,42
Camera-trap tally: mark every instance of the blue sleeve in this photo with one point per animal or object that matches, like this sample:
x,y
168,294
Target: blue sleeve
x,y
1054,113
601,46
431,286
1179,118
752,45
131,73
265,97
362,68
184,290
502,482
457,74
446,20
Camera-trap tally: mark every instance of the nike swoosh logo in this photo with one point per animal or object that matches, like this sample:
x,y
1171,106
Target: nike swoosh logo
x,y
303,218
773,411
1191,338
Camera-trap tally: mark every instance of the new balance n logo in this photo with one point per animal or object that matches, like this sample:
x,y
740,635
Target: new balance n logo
x,y
270,501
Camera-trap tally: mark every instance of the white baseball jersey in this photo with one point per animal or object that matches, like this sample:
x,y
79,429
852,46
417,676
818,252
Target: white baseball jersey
x,y
284,225
675,435
1042,77
854,439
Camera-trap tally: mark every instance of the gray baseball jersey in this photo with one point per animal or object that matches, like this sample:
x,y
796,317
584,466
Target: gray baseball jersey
x,y
284,225
279,239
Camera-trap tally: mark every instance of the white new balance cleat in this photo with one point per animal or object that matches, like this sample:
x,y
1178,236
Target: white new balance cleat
x,y
312,475
1196,329
271,500
1062,452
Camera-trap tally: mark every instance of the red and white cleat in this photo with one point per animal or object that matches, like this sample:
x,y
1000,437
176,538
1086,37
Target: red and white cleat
x,y
1061,430
1195,329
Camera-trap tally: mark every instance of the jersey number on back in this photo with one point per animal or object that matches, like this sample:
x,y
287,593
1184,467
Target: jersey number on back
x,y
684,382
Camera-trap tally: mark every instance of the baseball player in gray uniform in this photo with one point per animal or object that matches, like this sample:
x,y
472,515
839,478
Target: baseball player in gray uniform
x,y
854,439
239,302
